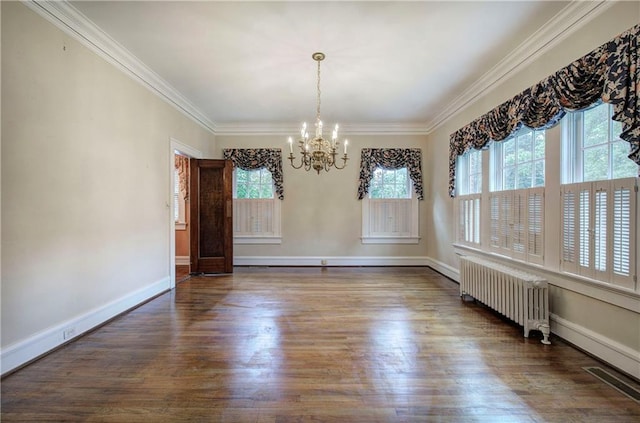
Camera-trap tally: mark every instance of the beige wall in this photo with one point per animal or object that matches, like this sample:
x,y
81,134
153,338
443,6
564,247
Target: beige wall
x,y
321,215
85,178
589,315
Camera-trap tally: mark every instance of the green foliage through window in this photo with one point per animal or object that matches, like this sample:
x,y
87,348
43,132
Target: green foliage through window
x,y
390,183
253,184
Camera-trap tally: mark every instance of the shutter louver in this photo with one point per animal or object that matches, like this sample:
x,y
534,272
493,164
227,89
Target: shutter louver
x,y
535,236
568,226
584,228
621,231
494,219
600,231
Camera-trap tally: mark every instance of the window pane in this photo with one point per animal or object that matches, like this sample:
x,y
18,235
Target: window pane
x,y
254,177
388,177
596,163
254,192
623,167
509,152
539,174
509,178
596,125
241,191
525,172
538,146
475,182
524,147
241,175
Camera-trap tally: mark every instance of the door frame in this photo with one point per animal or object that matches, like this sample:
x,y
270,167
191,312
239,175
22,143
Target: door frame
x,y
175,145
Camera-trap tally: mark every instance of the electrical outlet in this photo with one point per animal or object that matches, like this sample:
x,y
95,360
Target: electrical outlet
x,y
68,333
323,262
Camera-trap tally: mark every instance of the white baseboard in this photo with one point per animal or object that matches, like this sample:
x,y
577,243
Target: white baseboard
x,y
445,269
183,261
15,355
608,350
329,261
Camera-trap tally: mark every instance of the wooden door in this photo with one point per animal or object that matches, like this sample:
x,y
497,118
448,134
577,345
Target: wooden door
x,y
211,216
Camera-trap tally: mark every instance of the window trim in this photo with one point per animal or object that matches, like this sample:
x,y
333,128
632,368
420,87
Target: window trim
x,y
274,237
413,236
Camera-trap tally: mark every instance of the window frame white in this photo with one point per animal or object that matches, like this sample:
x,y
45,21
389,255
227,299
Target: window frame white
x,y
498,168
399,215
262,214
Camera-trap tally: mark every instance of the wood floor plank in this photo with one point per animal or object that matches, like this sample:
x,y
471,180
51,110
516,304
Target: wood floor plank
x,y
313,344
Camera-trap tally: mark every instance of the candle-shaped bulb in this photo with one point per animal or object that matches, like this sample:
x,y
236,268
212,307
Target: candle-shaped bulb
x,y
345,146
291,145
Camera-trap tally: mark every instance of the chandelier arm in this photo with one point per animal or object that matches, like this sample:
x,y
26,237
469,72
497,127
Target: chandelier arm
x,y
344,161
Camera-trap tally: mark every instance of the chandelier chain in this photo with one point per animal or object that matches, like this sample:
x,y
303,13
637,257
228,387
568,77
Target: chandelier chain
x,y
318,107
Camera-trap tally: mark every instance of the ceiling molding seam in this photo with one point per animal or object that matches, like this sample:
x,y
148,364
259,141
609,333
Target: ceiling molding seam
x,y
67,18
563,24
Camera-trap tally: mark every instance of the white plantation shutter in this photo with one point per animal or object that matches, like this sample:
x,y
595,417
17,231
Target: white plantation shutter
x,y
601,229
584,229
623,228
504,220
569,224
494,222
535,221
390,217
518,223
256,218
469,219
476,221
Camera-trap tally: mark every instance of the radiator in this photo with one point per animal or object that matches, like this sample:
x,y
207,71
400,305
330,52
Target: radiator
x,y
519,296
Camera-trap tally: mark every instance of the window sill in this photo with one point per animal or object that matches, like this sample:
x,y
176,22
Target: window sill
x,y
181,226
390,240
257,240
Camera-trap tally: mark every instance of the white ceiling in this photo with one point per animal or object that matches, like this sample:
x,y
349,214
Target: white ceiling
x,y
249,63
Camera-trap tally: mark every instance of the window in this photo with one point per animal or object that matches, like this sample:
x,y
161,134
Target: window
x,y
599,199
390,211
469,180
518,161
516,200
592,148
256,211
469,183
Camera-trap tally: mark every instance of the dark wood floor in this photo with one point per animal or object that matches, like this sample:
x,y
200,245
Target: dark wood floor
x,y
312,344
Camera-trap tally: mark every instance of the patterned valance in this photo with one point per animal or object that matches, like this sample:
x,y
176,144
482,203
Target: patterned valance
x,y
258,158
610,73
390,158
182,167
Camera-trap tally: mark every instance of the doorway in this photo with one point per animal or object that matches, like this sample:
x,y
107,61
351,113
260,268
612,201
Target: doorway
x,y
179,211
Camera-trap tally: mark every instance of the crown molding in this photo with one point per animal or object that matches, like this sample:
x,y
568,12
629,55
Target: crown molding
x,y
286,129
70,20
66,17
566,22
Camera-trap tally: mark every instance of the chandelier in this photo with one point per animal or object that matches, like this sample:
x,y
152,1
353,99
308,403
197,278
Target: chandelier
x,y
318,153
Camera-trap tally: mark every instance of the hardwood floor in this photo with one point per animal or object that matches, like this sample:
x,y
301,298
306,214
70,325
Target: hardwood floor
x,y
312,344
182,273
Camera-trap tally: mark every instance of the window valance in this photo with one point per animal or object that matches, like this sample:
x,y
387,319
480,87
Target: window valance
x,y
258,158
610,73
390,158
